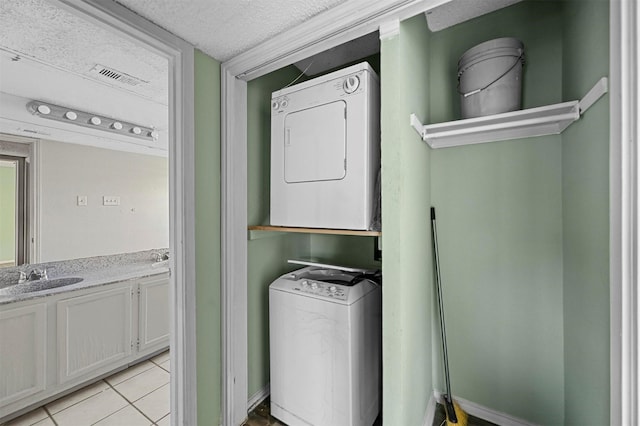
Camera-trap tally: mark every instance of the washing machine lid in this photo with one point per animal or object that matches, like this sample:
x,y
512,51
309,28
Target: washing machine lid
x,y
315,143
325,265
330,285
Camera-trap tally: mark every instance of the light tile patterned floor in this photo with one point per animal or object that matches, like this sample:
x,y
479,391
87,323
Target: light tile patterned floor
x,y
137,396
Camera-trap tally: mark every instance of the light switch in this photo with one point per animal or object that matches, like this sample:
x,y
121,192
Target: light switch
x,y
110,200
82,200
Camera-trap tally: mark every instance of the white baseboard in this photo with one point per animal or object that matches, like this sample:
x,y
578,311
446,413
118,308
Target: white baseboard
x,y
430,413
485,413
258,397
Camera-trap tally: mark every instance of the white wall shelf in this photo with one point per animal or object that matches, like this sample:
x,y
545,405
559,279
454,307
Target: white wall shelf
x,y
540,121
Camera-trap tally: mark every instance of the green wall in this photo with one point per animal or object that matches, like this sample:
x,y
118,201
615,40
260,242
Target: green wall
x,y
407,291
523,226
207,212
267,252
7,213
501,254
345,250
585,186
500,223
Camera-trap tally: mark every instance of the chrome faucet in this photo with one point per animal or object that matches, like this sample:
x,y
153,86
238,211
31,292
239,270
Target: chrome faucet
x,y
37,274
160,256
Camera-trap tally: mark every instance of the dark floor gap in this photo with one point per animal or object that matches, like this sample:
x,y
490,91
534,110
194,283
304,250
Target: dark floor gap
x,y
440,418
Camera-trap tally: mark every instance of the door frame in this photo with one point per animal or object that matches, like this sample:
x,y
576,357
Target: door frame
x,y
331,28
21,209
30,151
623,211
359,17
180,57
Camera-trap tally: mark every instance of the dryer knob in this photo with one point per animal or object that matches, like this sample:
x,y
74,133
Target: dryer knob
x,y
351,84
333,289
275,104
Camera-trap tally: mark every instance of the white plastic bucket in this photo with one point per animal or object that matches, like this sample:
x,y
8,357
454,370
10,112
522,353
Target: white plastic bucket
x,y
490,78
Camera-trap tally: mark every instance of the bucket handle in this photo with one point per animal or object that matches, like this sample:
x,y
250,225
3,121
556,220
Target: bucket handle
x,y
473,92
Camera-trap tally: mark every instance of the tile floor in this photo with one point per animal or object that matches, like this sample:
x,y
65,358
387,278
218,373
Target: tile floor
x,y
137,396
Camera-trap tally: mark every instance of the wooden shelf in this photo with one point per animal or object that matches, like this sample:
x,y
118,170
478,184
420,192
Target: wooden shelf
x,y
541,121
269,228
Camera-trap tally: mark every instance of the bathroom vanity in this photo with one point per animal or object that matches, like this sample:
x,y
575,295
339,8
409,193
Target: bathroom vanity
x,y
54,341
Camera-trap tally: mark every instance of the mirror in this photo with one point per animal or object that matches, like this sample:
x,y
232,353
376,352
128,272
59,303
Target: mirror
x,y
78,187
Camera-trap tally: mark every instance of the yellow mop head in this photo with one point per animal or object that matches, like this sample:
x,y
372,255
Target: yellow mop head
x,y
463,418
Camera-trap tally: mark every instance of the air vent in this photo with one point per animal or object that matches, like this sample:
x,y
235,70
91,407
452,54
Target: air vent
x,y
109,74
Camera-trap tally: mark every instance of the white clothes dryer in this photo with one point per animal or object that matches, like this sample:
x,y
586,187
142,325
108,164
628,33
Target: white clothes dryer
x,y
325,348
325,150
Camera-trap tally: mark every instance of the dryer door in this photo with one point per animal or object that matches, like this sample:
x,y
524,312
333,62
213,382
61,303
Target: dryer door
x,y
315,143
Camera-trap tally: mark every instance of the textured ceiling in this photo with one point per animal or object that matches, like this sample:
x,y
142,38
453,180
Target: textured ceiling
x,y
225,28
34,29
40,31
50,54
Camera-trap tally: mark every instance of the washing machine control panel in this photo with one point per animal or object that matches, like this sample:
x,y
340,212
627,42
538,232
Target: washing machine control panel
x,y
318,288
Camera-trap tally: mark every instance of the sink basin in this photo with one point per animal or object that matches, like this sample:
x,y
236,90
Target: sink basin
x,y
161,264
49,284
40,285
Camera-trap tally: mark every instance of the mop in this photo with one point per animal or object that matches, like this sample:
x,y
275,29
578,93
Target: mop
x,y
455,415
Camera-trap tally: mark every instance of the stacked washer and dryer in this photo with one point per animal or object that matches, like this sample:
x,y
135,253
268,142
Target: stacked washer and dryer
x,y
324,320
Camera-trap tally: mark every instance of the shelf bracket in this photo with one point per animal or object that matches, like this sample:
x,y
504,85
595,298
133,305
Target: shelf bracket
x,y
596,92
416,123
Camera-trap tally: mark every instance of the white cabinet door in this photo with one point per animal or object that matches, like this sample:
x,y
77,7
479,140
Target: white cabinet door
x,y
153,314
94,332
22,351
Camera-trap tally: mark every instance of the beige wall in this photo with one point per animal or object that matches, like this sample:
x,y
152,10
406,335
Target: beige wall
x,y
69,231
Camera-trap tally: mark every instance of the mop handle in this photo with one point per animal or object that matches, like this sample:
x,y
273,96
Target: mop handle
x,y
440,302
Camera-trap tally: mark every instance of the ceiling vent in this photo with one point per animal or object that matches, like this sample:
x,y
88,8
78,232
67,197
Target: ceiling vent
x,y
111,75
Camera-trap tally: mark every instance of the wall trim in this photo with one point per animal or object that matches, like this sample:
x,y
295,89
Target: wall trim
x,y
623,212
259,396
180,57
35,193
430,412
389,29
234,249
331,28
485,413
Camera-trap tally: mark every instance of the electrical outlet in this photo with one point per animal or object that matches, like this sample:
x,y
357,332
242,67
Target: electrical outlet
x,y
82,200
110,200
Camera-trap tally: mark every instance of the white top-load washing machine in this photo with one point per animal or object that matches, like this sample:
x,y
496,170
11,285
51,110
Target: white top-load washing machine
x,y
325,348
325,150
